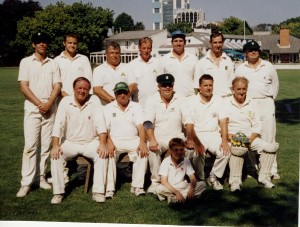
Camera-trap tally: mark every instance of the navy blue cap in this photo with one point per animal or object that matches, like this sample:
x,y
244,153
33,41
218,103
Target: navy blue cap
x,y
252,45
165,79
178,33
40,37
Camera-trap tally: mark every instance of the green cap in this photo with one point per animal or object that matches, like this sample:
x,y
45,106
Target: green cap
x,y
121,86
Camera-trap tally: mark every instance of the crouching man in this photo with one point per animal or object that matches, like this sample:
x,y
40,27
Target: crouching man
x,y
172,171
79,129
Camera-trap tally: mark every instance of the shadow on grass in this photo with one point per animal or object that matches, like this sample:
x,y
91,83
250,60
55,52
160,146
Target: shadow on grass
x,y
240,208
288,111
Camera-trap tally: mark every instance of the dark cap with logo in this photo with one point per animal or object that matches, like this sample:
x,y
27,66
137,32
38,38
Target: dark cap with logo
x,y
178,34
252,45
165,79
121,86
40,37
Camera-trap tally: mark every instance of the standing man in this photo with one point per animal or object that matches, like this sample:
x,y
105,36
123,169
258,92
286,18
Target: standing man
x,y
79,128
164,118
203,126
112,71
146,68
263,89
72,64
39,80
217,64
181,65
124,120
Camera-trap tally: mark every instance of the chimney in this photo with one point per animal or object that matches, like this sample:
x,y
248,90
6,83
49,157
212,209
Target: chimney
x,y
284,37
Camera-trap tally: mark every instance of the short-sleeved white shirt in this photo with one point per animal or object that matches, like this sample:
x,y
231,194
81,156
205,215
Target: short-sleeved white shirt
x,y
222,74
243,119
183,72
263,81
77,124
123,124
205,116
72,69
41,77
107,77
175,174
145,74
167,121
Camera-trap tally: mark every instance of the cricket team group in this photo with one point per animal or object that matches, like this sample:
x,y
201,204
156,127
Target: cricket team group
x,y
167,114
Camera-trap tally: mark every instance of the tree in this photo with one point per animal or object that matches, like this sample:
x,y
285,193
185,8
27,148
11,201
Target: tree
x,y
293,24
139,26
183,26
11,11
235,26
89,23
263,27
124,22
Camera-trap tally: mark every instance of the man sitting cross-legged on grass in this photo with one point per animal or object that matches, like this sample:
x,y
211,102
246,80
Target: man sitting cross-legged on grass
x,y
172,171
79,128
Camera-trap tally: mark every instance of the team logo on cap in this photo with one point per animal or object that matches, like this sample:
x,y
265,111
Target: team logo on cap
x,y
167,77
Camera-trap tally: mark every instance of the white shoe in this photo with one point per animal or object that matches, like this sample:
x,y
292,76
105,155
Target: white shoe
x,y
172,200
24,190
235,186
275,176
137,191
44,184
214,183
152,189
109,194
98,197
267,183
57,199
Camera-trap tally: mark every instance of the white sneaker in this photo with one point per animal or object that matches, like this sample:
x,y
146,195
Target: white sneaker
x,y
214,183
139,191
172,200
57,199
267,183
275,176
44,184
24,190
152,189
109,194
235,186
98,197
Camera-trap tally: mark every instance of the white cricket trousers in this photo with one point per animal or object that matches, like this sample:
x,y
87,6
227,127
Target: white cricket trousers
x,y
266,108
37,136
71,150
139,164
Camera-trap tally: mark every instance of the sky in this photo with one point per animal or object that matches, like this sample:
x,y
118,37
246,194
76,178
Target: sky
x,y
253,11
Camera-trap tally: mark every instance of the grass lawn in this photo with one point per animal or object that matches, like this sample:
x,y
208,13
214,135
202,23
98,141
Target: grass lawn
x,y
254,206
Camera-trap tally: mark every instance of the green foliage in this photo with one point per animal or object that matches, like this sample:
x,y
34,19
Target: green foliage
x,y
91,24
11,11
139,26
124,22
254,206
186,27
235,26
293,24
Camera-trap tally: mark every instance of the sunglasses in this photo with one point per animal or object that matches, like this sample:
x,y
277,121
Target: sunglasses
x,y
166,85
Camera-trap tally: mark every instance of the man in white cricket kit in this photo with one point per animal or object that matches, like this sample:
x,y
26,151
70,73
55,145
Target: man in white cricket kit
x,y
263,89
39,80
79,129
206,126
126,134
145,68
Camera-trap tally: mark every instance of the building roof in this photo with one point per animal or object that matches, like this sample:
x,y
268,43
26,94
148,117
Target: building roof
x,y
133,35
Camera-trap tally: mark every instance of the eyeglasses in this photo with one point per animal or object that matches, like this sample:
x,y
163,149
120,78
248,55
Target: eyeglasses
x,y
120,92
166,85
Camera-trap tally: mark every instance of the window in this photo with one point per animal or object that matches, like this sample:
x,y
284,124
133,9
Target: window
x,y
156,10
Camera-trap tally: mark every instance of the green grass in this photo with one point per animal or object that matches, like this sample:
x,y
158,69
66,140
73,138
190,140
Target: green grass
x,y
255,206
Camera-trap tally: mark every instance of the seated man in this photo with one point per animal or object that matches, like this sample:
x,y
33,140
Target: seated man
x,y
126,134
172,171
79,128
203,126
163,121
243,117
